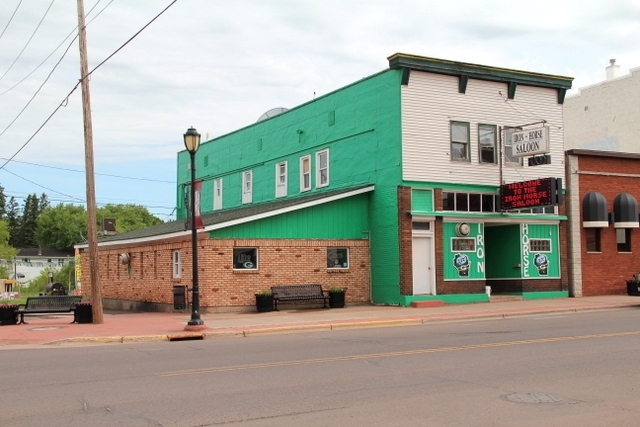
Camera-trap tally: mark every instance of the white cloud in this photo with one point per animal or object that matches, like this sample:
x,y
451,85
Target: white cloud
x,y
219,65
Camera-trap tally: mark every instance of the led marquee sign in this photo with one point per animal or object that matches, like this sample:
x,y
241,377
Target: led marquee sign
x,y
531,194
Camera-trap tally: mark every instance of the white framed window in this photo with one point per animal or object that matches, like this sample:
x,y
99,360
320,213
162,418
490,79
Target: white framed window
x,y
177,264
247,187
508,148
460,141
322,168
539,245
337,257
463,244
487,135
305,173
281,179
245,258
217,194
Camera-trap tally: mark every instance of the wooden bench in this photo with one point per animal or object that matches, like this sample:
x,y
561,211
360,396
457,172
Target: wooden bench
x,y
48,304
298,293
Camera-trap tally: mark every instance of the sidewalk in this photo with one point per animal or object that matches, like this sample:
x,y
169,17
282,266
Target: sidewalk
x,y
119,327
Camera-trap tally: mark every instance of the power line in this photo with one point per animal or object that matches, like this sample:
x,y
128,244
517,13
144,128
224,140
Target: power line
x,y
64,101
58,47
81,171
29,41
11,19
41,186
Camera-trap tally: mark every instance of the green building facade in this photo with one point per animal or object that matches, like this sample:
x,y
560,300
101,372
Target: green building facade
x,y
394,133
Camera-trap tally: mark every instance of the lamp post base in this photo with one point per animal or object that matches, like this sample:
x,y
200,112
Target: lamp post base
x,y
195,328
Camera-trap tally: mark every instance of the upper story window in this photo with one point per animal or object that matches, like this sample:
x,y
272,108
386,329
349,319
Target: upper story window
x,y
487,137
460,141
281,179
247,186
508,148
305,173
322,166
217,194
177,265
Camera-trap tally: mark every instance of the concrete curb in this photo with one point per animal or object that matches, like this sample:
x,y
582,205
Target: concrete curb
x,y
329,326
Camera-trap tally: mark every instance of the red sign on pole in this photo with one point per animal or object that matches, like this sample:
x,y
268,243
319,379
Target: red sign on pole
x,y
530,194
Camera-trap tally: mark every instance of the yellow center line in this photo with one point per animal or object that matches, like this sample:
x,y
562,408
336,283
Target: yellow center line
x,y
390,354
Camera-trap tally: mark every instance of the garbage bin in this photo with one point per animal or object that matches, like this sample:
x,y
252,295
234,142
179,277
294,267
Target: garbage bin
x,y
55,289
179,297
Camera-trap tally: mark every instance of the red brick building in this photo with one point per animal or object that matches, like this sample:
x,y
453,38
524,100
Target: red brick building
x,y
604,241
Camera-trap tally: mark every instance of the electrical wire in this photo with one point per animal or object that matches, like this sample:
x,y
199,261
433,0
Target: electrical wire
x,y
100,174
58,47
29,41
11,19
64,101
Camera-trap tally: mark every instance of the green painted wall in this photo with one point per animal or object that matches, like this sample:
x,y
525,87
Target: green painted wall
x,y
360,124
503,251
468,264
540,264
342,219
422,200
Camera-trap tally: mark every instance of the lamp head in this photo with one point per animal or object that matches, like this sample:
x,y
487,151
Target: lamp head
x,y
192,140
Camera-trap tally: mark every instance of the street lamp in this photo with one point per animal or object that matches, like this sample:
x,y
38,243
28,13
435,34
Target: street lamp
x,y
192,142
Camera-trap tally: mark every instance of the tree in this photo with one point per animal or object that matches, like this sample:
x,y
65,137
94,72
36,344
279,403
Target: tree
x,y
26,236
128,217
61,227
13,221
6,251
3,204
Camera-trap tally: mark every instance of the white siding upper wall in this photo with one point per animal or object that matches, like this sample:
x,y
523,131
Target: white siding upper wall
x,y
430,101
605,116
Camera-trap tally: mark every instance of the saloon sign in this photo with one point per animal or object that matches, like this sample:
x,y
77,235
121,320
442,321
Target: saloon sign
x,y
530,142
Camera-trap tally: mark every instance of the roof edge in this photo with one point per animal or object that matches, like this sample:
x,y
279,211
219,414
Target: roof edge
x,y
482,72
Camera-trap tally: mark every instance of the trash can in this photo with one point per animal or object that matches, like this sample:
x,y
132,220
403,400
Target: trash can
x,y
179,297
55,289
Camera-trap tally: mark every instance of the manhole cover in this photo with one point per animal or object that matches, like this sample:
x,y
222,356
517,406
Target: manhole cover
x,y
46,328
533,398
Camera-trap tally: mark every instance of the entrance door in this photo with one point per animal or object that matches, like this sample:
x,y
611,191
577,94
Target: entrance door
x,y
423,272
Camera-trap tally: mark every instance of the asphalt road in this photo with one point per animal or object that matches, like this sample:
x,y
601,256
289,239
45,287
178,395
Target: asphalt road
x,y
576,369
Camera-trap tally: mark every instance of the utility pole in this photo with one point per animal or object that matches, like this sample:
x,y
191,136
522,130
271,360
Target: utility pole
x,y
96,291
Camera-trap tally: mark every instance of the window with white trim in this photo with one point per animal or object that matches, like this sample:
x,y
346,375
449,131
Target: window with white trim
x,y
281,179
508,148
459,141
487,143
247,186
245,258
539,245
337,257
217,194
305,173
177,264
322,168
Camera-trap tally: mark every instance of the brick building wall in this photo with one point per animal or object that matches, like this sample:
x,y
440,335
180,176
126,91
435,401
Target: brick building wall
x,y
406,240
148,278
605,272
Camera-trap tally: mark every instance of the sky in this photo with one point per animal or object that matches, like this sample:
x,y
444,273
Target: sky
x,y
219,65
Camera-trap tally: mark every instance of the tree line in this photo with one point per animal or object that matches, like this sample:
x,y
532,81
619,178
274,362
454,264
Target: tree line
x,y
37,223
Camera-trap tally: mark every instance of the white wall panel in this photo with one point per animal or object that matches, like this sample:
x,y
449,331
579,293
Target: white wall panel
x,y
430,101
